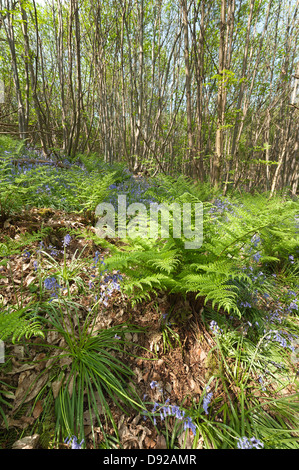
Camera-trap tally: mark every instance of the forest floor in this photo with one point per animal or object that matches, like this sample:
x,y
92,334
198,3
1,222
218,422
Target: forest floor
x,y
179,367
196,388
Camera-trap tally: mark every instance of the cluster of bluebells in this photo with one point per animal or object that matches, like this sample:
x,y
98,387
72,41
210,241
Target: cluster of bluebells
x,y
156,385
276,316
134,190
96,261
171,410
250,295
261,381
257,256
110,283
175,411
45,188
52,285
293,305
255,240
215,328
67,240
222,205
26,254
252,443
254,276
255,247
276,336
53,250
73,442
41,169
245,304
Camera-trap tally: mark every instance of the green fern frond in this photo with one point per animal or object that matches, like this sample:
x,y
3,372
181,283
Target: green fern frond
x,y
213,270
14,325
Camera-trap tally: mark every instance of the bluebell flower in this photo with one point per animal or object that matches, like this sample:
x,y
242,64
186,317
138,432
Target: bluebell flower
x,y
51,284
188,424
54,251
256,443
168,410
206,401
293,306
291,293
245,304
275,336
255,240
257,256
74,442
26,254
260,379
96,259
215,328
245,443
67,240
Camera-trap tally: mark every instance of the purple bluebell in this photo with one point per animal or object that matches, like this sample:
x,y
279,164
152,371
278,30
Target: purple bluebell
x,y
74,442
26,254
206,401
215,328
67,240
257,256
245,443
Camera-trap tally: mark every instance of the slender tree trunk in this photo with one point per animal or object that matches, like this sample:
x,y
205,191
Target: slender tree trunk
x,y
220,100
190,152
33,80
9,30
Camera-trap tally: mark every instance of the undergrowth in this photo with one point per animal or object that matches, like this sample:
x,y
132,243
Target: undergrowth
x,y
244,276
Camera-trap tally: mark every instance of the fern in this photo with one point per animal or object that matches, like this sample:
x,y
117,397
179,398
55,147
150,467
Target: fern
x,y
230,233
14,325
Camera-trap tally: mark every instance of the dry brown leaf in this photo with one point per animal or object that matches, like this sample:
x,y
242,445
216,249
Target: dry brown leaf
x,y
149,443
161,442
37,409
28,387
23,368
132,436
202,356
29,280
22,423
56,386
29,442
52,336
186,440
